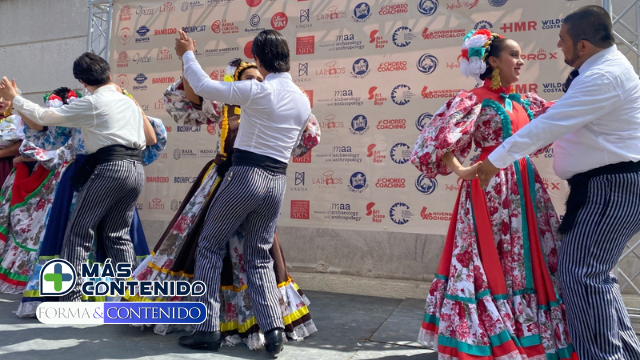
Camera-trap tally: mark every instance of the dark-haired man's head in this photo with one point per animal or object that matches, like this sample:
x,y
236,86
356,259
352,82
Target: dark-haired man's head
x,y
271,52
91,70
585,32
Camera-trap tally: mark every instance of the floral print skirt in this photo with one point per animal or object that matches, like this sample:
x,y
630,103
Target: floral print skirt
x,y
495,295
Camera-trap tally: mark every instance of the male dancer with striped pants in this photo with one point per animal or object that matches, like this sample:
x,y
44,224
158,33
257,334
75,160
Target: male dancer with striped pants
x,y
111,178
274,114
596,129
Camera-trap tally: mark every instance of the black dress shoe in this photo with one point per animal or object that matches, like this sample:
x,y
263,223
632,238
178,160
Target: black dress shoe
x,y
202,340
273,342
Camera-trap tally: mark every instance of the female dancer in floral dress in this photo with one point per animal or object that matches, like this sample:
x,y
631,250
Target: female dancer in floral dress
x,y
174,256
495,295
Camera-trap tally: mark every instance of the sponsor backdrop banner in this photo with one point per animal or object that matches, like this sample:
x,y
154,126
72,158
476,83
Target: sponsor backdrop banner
x,y
375,72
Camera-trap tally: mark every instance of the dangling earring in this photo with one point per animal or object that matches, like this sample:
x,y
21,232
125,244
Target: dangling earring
x,y
495,79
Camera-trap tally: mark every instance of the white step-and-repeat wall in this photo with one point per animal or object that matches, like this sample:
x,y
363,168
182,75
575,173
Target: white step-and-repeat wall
x,y
375,71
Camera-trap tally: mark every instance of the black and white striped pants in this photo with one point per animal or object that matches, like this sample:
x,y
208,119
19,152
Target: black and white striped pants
x,y
106,202
598,321
254,196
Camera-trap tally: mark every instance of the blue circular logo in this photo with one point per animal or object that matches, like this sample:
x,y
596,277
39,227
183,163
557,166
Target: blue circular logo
x,y
185,6
426,185
140,79
497,3
361,11
399,213
428,7
358,180
255,20
360,66
400,95
400,153
57,277
427,64
483,24
359,123
422,120
402,36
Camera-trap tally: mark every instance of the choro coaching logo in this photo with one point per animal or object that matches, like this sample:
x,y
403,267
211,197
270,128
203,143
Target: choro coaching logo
x,y
57,278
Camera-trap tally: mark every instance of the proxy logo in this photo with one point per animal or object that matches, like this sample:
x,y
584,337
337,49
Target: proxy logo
x,y
429,7
426,185
57,278
427,64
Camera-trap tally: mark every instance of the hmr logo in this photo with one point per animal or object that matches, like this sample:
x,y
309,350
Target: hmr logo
x,y
358,182
399,213
428,7
359,125
422,120
497,3
361,13
57,278
360,69
402,36
401,94
400,153
427,64
426,185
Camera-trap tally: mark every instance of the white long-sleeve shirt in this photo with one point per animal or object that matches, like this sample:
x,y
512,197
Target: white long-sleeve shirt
x,y
107,117
274,112
596,123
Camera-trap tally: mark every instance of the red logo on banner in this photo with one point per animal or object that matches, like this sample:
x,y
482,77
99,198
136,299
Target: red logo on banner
x,y
156,204
123,81
300,209
253,3
124,35
304,159
309,94
377,97
125,13
279,21
526,88
247,50
211,129
377,155
123,59
522,26
375,39
435,216
375,214
169,129
305,45
541,54
215,27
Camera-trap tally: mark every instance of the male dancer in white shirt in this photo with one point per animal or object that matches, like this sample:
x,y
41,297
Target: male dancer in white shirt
x,y
111,178
274,114
596,129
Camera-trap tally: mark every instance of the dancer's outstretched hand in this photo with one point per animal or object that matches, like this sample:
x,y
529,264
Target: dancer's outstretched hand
x,y
7,91
184,44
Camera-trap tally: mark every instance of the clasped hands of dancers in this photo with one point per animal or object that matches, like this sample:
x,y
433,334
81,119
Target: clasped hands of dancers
x,y
506,287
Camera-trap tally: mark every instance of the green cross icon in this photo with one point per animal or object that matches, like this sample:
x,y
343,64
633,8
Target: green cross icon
x,y
57,277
